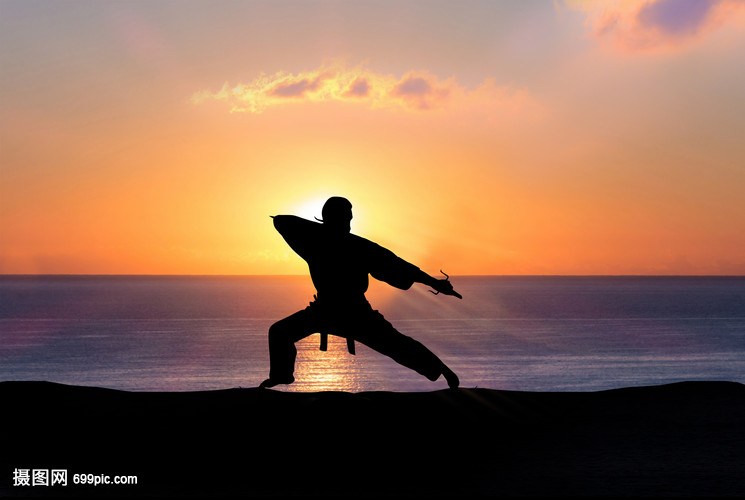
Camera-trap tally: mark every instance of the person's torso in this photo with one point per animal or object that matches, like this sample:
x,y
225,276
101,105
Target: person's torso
x,y
339,269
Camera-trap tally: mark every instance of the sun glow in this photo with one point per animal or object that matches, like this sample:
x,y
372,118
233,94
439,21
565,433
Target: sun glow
x,y
574,137
312,206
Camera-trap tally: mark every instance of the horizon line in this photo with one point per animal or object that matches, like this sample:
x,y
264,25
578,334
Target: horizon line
x,y
154,275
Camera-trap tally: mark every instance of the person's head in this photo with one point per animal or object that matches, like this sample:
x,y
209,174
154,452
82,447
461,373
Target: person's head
x,y
337,214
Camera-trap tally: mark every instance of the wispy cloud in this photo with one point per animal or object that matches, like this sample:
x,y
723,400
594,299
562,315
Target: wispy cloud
x,y
360,88
416,91
655,25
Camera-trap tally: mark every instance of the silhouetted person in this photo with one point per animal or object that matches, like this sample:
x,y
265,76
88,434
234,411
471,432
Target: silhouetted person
x,y
339,264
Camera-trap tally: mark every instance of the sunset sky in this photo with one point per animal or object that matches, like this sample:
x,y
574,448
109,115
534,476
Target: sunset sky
x,y
515,137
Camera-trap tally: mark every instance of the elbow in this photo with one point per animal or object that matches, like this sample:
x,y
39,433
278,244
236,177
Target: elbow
x,y
278,222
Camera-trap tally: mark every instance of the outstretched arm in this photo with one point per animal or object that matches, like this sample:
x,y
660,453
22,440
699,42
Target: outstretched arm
x,y
386,266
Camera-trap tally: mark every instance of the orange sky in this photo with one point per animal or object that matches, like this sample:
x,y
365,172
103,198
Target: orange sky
x,y
478,137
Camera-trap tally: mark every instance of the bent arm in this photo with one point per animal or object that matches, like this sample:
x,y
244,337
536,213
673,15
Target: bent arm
x,y
299,233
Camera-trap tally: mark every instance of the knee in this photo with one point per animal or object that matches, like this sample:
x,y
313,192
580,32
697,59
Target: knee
x,y
276,332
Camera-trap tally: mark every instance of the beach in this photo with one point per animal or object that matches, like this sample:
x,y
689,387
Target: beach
x,y
682,439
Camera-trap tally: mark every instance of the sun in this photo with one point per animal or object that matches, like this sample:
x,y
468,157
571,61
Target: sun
x,y
310,208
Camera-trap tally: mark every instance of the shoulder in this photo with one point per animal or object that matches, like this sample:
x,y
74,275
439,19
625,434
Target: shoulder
x,y
365,244
373,251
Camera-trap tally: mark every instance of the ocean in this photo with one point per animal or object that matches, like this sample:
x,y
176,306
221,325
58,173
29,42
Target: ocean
x,y
194,333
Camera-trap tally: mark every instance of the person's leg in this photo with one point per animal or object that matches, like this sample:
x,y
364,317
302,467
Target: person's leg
x,y
379,334
282,351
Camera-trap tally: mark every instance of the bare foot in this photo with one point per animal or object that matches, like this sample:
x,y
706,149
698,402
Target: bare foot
x,y
451,377
271,382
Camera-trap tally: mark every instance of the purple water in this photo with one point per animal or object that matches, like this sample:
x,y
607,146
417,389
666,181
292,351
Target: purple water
x,y
518,333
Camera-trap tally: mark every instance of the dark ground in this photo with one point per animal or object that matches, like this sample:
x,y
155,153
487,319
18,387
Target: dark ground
x,y
685,439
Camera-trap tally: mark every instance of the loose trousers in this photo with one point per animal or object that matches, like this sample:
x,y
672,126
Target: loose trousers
x,y
363,325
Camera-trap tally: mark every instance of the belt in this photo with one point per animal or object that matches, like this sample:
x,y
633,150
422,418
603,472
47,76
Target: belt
x,y
325,336
325,343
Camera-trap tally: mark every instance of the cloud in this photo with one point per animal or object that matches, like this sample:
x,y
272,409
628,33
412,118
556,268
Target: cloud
x,y
419,92
360,88
656,25
413,87
296,89
415,91
676,18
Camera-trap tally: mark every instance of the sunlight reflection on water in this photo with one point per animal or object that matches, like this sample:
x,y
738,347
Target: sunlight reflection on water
x,y
331,370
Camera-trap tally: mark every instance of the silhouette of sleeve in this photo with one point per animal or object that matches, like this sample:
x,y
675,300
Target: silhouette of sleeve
x,y
390,268
299,233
